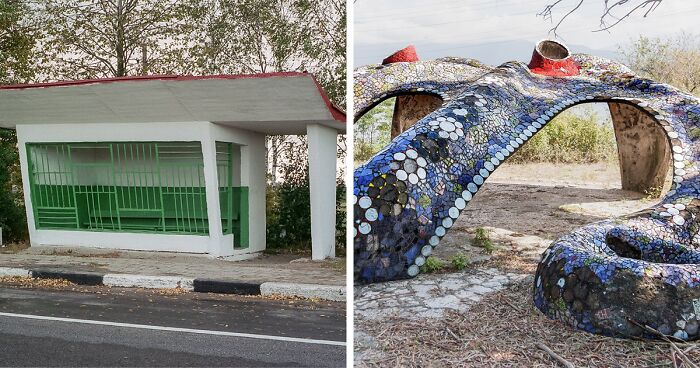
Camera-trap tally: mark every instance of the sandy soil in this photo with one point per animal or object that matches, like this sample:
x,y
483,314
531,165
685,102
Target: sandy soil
x,y
538,203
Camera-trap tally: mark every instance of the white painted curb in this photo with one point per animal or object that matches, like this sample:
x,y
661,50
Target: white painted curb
x,y
9,271
327,292
148,282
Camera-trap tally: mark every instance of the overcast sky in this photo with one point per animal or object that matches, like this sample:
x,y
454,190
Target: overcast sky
x,y
495,31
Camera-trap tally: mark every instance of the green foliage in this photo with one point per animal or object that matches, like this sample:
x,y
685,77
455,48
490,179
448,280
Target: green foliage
x,y
432,265
17,38
570,138
482,239
674,60
104,38
373,130
460,261
259,36
289,217
12,214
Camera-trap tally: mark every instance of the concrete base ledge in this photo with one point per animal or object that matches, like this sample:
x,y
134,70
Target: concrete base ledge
x,y
326,292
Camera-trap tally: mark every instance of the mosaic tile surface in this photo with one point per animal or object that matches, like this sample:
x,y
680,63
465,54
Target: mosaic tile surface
x,y
604,277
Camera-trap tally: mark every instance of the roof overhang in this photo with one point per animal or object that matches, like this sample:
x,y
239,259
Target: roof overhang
x,y
273,103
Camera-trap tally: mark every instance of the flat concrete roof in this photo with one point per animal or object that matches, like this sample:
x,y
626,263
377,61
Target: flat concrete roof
x,y
272,103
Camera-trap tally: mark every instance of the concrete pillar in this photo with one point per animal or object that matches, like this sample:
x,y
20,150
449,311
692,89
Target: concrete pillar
x,y
642,146
322,165
409,109
217,247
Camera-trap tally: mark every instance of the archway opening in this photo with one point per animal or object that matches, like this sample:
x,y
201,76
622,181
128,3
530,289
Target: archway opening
x,y
376,127
593,161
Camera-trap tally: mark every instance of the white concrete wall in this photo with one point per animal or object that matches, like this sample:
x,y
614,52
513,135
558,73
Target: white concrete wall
x,y
252,175
322,165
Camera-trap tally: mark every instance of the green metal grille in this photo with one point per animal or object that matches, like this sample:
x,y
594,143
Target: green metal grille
x,y
132,187
233,198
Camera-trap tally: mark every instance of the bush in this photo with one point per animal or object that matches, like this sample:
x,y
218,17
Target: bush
x,y
13,218
289,217
570,138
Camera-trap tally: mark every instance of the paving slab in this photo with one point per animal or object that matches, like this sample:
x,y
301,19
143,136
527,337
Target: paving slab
x,y
430,295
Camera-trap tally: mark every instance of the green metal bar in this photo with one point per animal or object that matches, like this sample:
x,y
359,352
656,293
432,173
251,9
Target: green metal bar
x,y
114,186
73,183
32,182
160,187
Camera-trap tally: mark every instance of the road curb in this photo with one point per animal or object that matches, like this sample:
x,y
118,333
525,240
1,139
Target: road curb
x,y
148,282
200,285
80,278
327,292
226,287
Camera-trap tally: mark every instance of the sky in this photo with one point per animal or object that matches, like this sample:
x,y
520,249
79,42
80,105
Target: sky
x,y
497,31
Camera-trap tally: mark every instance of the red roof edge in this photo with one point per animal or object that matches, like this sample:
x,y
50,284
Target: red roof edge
x,y
337,113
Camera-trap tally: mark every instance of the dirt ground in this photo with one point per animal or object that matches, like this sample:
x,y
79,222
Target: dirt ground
x,y
524,208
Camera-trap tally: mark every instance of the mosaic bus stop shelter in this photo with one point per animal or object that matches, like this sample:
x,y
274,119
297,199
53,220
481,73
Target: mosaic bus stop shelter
x,y
167,163
457,120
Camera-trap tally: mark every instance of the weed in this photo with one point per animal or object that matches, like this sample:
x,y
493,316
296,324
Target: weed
x,y
652,193
482,239
432,265
460,261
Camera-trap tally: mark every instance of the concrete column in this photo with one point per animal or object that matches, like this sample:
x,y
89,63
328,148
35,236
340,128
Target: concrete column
x,y
642,146
322,165
217,247
409,109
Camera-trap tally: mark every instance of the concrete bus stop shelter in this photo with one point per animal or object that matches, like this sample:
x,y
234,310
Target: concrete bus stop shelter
x,y
168,163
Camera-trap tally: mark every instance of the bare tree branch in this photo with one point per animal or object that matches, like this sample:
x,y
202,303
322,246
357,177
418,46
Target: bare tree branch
x,y
607,19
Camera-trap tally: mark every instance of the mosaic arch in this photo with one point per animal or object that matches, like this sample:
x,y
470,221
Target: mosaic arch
x,y
609,277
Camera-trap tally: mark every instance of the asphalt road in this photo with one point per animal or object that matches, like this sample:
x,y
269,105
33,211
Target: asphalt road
x,y
122,327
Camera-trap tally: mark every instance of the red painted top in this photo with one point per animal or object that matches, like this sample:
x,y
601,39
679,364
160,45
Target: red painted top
x,y
337,113
406,54
543,65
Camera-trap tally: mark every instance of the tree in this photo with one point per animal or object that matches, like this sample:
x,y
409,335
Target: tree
x,y
607,18
112,38
264,36
17,39
372,130
12,213
675,60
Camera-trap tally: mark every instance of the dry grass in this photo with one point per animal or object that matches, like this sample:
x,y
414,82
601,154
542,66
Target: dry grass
x,y
28,282
77,253
503,330
12,248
